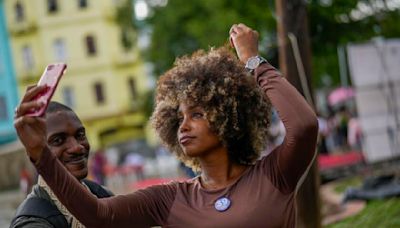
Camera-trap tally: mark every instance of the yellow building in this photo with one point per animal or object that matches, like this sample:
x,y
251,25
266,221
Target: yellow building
x,y
105,80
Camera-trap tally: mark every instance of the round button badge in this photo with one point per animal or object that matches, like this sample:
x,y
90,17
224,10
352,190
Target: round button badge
x,y
222,204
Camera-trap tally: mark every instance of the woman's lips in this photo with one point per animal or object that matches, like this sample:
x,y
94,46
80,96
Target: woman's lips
x,y
186,139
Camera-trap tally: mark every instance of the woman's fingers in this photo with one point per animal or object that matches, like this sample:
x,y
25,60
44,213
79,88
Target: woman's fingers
x,y
245,41
240,30
231,30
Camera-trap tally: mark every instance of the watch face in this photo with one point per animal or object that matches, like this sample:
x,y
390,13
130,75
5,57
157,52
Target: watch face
x,y
253,63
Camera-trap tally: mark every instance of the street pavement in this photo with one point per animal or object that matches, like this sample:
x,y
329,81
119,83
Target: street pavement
x,y
9,201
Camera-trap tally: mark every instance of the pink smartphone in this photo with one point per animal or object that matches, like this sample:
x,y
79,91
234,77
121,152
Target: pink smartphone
x,y
50,77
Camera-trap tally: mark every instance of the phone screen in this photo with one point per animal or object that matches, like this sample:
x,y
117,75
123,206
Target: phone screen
x,y
50,77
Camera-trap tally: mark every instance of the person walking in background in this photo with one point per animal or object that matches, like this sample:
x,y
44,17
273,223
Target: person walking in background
x,y
135,162
323,133
98,165
342,120
25,180
66,140
276,133
212,112
354,136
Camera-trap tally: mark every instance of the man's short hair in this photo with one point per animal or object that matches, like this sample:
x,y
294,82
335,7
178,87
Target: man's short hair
x,y
55,106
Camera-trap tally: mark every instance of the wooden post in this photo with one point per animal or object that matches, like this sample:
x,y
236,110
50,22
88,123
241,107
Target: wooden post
x,y
292,21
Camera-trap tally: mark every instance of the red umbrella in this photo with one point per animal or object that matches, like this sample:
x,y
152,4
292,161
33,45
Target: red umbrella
x,y
340,94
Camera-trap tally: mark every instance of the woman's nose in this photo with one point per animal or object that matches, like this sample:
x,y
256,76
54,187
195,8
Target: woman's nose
x,y
184,125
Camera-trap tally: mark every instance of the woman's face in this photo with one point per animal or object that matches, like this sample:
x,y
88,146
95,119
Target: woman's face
x,y
194,134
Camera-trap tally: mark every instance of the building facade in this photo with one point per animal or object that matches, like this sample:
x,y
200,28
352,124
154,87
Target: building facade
x,y
8,86
105,80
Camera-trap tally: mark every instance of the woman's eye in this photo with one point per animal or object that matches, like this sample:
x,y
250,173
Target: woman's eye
x,y
180,119
197,115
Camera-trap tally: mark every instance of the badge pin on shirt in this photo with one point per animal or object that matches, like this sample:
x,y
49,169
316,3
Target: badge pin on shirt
x,y
222,204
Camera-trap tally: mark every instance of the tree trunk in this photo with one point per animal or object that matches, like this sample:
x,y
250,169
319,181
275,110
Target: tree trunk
x,y
292,19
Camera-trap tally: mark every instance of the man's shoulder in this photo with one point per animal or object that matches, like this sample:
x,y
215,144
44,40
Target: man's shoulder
x,y
38,209
97,189
39,192
31,222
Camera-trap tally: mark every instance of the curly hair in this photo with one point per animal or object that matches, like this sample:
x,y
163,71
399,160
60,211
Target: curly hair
x,y
236,108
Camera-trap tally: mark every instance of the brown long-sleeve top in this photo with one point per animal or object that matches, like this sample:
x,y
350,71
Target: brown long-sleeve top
x,y
263,196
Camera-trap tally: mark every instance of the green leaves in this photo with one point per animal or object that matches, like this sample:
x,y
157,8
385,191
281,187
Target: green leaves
x,y
182,27
185,26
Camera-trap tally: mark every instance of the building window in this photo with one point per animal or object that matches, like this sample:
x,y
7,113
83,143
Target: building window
x,y
19,12
60,51
132,87
98,89
27,56
3,108
127,39
69,97
52,6
90,45
83,3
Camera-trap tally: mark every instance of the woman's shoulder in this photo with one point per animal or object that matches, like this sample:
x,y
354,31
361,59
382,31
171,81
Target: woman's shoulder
x,y
188,182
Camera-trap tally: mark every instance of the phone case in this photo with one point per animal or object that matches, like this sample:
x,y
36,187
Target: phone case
x,y
50,77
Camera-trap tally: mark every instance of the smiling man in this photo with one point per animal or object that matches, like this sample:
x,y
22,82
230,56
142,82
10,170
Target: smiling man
x,y
66,138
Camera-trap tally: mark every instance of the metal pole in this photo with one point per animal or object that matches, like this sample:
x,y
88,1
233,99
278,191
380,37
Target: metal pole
x,y
342,66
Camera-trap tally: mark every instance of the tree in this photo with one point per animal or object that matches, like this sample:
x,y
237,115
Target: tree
x,y
333,24
125,20
183,26
293,22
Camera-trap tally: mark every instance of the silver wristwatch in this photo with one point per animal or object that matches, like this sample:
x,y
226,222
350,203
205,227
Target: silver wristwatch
x,y
253,62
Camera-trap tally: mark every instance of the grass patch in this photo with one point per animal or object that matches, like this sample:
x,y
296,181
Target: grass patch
x,y
378,213
341,186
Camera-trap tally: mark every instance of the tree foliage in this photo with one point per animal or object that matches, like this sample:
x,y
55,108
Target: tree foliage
x,y
184,26
125,19
332,25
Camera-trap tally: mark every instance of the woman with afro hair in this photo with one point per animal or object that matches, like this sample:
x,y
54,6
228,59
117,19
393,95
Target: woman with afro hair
x,y
212,111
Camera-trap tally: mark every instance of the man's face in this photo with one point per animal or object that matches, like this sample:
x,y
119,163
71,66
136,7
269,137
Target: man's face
x,y
66,138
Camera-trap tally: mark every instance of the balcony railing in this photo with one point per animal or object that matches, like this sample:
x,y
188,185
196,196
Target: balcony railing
x,y
23,27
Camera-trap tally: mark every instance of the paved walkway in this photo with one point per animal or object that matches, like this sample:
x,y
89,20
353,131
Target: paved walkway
x,y
9,201
333,210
